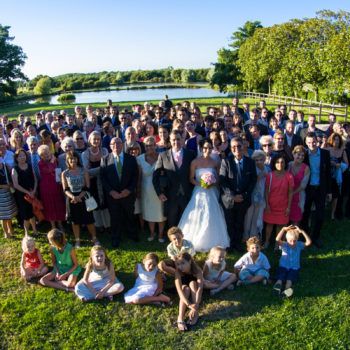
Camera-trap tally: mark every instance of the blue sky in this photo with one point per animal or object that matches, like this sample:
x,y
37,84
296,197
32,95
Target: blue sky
x,y
89,36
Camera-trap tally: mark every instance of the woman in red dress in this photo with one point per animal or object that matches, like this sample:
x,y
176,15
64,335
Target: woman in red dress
x,y
278,195
51,193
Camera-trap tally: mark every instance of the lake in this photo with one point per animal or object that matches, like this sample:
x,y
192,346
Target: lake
x,y
140,95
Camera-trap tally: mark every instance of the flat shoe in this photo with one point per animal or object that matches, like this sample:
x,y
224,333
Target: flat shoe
x,y
287,293
181,326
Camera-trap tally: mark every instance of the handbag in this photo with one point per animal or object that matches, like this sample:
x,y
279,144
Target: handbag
x,y
90,202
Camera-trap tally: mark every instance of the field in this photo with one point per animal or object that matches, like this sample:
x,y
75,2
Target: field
x,y
317,317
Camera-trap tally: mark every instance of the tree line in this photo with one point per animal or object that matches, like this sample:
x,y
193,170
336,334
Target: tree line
x,y
292,58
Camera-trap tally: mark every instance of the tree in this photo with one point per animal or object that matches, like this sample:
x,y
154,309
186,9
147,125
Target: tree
x,y
43,86
226,70
12,58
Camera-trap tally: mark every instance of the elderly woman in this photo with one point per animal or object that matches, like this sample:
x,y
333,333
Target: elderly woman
x,y
67,145
253,221
92,159
25,183
78,138
50,188
266,144
151,206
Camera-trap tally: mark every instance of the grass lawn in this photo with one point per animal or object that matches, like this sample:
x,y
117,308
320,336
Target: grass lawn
x,y
317,317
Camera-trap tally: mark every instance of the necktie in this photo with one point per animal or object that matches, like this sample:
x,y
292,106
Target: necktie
x,y
119,167
239,172
35,165
178,159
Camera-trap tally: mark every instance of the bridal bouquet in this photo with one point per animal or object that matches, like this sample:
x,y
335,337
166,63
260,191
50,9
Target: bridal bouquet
x,y
207,180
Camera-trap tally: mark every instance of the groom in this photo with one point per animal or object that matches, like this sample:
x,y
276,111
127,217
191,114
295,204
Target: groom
x,y
171,178
237,181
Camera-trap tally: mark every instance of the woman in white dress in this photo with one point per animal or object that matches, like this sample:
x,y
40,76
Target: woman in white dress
x,y
151,206
203,221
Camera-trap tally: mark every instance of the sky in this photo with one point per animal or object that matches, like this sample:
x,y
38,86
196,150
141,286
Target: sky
x,y
66,36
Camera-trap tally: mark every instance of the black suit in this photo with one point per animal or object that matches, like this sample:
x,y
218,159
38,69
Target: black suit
x,y
120,209
303,133
296,141
317,194
232,184
178,188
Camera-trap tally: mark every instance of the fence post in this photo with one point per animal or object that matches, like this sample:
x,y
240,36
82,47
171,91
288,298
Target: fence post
x,y
346,113
301,103
333,107
320,112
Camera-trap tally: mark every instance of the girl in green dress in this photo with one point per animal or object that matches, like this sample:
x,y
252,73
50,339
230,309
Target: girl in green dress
x,y
65,271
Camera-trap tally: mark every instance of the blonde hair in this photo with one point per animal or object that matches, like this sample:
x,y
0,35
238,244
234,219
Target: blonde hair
x,y
27,239
293,233
214,250
42,149
98,248
151,256
56,238
253,240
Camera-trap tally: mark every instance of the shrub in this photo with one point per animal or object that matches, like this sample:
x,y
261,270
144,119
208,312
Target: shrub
x,y
66,98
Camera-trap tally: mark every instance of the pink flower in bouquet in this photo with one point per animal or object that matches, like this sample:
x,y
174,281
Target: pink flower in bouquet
x,y
207,180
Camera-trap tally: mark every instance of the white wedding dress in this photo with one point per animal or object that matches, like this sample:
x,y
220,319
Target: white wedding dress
x,y
203,222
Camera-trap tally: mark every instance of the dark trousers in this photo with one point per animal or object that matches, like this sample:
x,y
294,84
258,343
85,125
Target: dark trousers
x,y
122,217
174,207
342,210
235,222
314,194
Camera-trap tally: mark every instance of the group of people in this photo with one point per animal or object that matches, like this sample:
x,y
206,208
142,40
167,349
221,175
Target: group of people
x,y
234,176
99,280
222,178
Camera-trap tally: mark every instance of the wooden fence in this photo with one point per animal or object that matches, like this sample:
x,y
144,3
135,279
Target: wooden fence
x,y
320,109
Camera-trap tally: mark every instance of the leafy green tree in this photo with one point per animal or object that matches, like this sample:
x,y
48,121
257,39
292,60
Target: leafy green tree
x,y
226,70
43,86
12,58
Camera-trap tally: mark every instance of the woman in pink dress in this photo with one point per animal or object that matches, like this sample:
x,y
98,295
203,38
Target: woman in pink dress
x,y
278,196
301,174
51,193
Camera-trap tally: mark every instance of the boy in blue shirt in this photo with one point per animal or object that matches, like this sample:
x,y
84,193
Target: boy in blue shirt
x,y
289,265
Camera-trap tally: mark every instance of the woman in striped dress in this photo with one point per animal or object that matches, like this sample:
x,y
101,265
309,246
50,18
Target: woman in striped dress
x,y
8,207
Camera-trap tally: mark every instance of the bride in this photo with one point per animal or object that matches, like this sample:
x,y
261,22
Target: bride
x,y
203,221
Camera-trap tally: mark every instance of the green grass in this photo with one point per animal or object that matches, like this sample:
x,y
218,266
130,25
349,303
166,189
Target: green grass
x,y
250,317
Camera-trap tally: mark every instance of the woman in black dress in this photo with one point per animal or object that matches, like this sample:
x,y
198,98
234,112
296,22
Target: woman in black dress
x,y
25,183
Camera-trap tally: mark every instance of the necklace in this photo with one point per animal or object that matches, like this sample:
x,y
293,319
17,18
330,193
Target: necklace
x,y
95,153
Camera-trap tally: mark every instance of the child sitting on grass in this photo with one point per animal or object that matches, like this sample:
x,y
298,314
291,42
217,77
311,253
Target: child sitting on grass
x,y
32,263
99,279
253,266
215,277
149,284
289,264
65,265
189,286
176,246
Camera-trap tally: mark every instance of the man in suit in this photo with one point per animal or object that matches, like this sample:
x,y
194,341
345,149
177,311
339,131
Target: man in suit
x,y
311,128
319,186
237,181
171,178
119,175
290,139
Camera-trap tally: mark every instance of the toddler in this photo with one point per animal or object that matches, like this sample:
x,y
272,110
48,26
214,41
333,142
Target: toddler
x,y
215,277
99,279
253,266
189,286
289,264
149,284
65,265
32,263
176,246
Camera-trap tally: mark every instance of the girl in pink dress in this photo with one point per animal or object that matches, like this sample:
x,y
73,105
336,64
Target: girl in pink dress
x,y
278,195
51,193
301,174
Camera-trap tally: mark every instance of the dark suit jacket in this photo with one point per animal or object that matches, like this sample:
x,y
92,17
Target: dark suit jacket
x,y
177,178
296,141
110,179
325,171
228,180
303,133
